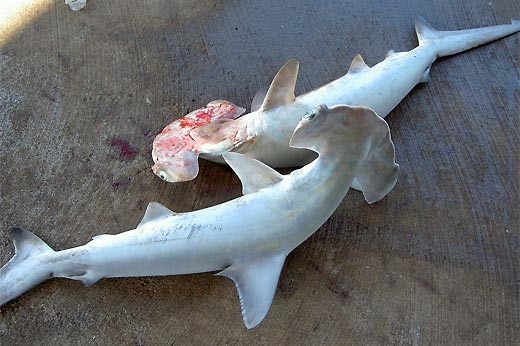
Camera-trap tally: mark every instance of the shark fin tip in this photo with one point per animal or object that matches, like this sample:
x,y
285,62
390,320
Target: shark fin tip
x,y
281,90
423,29
358,64
26,242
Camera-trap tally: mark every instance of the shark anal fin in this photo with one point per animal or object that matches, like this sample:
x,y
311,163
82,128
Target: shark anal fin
x,y
256,279
253,174
155,211
282,87
426,76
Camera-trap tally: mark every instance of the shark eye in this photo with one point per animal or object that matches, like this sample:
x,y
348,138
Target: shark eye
x,y
162,175
310,114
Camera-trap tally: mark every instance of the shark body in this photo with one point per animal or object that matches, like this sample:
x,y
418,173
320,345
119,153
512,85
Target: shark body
x,y
248,238
264,133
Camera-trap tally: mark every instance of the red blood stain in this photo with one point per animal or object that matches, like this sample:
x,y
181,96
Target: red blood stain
x,y
175,140
197,118
126,151
203,116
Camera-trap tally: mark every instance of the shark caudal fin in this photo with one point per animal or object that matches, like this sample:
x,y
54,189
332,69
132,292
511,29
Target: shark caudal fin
x,y
25,269
452,42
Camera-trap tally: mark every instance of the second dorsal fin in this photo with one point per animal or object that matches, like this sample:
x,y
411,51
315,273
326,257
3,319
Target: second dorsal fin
x,y
358,65
282,87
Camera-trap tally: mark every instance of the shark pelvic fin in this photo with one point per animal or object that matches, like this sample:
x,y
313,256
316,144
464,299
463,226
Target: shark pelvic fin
x,y
358,65
253,174
256,280
282,87
155,211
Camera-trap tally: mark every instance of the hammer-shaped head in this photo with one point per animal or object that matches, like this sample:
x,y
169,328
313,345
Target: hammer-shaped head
x,y
175,151
358,136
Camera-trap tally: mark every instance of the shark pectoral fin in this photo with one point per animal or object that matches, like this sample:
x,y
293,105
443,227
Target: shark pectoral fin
x,y
253,174
256,279
282,87
155,211
219,136
258,99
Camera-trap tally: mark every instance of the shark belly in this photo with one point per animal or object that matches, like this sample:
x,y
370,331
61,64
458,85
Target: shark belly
x,y
155,258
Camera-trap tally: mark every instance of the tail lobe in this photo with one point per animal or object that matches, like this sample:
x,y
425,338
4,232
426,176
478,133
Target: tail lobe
x,y
452,42
26,243
25,269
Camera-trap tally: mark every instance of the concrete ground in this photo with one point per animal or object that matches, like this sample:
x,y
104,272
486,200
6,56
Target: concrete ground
x,y
82,95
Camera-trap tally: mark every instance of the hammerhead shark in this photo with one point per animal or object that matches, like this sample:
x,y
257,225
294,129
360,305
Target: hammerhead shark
x,y
248,238
264,133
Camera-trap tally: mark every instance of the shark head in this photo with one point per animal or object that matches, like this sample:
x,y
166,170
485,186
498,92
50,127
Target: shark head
x,y
335,129
358,133
175,150
180,166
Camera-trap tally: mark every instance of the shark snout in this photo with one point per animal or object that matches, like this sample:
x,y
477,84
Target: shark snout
x,y
158,170
175,172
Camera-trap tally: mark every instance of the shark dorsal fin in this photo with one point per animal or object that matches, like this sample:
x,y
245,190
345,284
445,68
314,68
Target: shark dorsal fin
x,y
253,174
256,279
282,87
358,65
153,212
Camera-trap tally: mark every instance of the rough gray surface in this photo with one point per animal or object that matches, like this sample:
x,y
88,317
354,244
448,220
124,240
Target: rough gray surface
x,y
82,95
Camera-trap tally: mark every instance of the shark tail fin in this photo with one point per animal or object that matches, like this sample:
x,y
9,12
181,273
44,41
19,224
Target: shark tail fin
x,y
25,269
452,42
